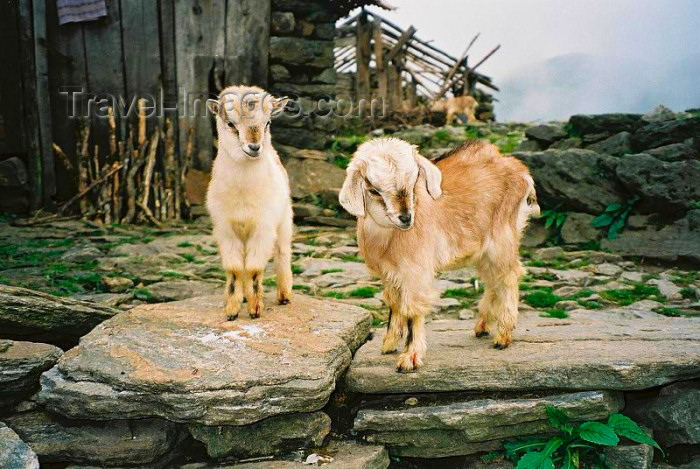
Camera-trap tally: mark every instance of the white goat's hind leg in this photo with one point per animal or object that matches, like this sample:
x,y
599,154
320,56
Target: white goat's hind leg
x,y
412,356
254,291
283,261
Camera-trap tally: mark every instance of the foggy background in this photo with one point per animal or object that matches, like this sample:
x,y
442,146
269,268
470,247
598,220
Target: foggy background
x,y
559,58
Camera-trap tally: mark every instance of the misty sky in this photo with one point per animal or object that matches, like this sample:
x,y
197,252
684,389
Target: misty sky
x,y
561,57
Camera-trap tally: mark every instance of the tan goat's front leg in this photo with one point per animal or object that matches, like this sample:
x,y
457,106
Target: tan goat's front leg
x,y
397,321
283,261
417,297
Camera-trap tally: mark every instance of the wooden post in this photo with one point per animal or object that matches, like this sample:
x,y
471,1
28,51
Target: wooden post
x,y
363,55
382,78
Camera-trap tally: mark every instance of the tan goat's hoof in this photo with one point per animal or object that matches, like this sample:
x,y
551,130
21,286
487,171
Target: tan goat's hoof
x,y
408,362
284,301
481,333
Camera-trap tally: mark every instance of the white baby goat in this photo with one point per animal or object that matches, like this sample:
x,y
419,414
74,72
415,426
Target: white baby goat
x,y
248,198
416,218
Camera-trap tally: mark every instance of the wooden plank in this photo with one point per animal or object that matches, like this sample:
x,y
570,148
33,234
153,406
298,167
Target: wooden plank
x,y
12,140
400,42
168,76
142,64
199,38
363,56
68,75
105,68
29,109
382,78
247,42
48,177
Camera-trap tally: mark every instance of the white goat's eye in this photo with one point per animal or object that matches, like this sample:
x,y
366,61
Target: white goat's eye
x,y
374,192
230,124
268,124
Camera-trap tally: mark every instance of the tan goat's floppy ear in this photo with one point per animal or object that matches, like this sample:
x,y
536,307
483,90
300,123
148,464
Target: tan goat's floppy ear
x,y
278,105
213,106
431,173
352,194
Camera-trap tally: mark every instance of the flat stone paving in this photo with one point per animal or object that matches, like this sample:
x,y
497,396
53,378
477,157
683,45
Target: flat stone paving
x,y
185,362
588,351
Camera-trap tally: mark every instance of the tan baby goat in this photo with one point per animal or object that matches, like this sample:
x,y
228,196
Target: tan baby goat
x,y
248,198
416,218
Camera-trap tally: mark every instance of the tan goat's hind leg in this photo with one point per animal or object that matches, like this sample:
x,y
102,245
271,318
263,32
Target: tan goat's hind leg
x,y
394,331
283,263
253,286
481,328
412,356
233,294
506,308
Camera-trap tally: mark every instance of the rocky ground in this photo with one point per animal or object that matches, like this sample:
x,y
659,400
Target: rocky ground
x,y
114,350
154,364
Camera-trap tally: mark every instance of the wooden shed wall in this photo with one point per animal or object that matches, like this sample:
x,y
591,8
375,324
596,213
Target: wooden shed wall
x,y
186,48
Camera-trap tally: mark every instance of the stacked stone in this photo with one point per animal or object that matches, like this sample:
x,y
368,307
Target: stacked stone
x,y
301,66
468,399
143,387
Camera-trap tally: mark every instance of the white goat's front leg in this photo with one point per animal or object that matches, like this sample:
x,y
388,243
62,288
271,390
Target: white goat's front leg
x,y
231,250
259,247
283,260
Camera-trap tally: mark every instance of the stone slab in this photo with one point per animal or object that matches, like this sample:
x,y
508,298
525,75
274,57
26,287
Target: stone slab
x,y
15,453
267,437
587,351
464,426
21,364
117,442
184,362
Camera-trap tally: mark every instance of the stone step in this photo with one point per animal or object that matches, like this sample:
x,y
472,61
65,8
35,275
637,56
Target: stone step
x,y
588,351
336,455
469,426
21,363
185,362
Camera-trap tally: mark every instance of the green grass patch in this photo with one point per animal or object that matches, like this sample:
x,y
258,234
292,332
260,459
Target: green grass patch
x,y
331,271
459,293
351,258
296,270
670,312
188,257
143,294
364,292
627,297
185,244
335,294
303,288
554,313
171,274
541,299
270,282
687,292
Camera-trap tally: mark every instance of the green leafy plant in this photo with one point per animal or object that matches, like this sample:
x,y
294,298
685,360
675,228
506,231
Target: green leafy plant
x,y
576,446
615,217
553,218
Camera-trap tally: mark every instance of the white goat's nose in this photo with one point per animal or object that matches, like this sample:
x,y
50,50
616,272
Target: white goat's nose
x,y
254,146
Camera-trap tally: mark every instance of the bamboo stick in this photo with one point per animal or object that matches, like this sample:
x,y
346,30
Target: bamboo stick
x,y
62,157
150,164
91,186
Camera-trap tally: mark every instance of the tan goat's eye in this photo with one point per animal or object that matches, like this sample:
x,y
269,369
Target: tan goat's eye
x,y
374,192
230,125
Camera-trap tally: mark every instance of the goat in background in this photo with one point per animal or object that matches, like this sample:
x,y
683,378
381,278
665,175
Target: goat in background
x,y
416,218
249,199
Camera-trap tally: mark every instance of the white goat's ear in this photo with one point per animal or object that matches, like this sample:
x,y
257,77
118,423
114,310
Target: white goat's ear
x,y
213,106
352,196
278,105
431,173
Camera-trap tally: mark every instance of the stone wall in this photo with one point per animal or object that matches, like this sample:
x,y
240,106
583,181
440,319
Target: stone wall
x,y
301,67
648,163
